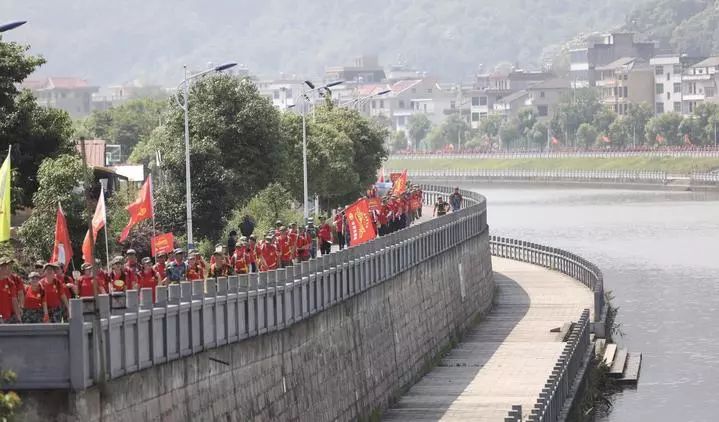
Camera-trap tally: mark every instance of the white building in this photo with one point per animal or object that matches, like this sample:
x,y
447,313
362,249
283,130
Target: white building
x,y
699,84
667,83
282,92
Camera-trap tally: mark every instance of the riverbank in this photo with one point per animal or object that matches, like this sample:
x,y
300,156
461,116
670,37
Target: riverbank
x,y
669,164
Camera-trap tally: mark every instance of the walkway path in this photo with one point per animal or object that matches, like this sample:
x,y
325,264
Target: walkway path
x,y
506,358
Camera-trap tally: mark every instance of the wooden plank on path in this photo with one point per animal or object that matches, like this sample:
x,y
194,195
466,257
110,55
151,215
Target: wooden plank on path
x,y
631,372
609,353
620,360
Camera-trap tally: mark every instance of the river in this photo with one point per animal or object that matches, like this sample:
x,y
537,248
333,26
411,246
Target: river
x,y
660,257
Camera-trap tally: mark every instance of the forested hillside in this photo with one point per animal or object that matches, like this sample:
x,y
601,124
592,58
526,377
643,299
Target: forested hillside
x,y
115,41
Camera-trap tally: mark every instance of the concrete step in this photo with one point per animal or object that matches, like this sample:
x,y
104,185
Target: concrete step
x,y
599,346
609,353
633,367
620,360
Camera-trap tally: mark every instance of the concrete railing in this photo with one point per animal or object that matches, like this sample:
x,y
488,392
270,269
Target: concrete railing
x,y
558,386
509,155
704,179
510,175
191,317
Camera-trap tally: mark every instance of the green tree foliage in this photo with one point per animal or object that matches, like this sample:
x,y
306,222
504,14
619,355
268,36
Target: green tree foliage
x,y
34,132
510,134
453,130
419,126
667,126
665,21
586,135
59,181
234,151
399,141
9,400
577,107
490,126
128,123
269,205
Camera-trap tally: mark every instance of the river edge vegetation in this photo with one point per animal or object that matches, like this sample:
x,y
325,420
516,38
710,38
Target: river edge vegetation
x,y
668,164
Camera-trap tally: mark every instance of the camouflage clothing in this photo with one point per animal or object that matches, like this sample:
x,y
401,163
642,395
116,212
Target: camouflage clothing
x,y
32,316
56,314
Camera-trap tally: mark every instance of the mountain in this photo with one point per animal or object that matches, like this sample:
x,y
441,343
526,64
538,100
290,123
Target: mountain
x,y
686,26
116,41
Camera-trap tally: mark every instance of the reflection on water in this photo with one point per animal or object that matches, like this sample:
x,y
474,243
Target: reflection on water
x,y
659,255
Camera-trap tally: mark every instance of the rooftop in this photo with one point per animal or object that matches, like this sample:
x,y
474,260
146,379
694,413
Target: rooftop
x,y
56,82
556,83
709,62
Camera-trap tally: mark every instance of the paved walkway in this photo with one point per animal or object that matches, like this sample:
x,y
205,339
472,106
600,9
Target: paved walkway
x,y
506,358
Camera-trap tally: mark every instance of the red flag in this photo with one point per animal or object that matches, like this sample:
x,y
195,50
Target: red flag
x,y
374,203
360,223
98,222
163,243
62,249
139,210
555,141
400,185
606,139
660,139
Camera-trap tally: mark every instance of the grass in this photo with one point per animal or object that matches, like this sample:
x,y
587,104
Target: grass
x,y
668,164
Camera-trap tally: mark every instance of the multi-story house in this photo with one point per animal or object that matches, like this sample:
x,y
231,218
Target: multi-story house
x,y
73,95
282,92
699,84
601,52
628,80
366,69
667,83
544,97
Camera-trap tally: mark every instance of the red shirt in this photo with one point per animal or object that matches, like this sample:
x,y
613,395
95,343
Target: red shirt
x,y
269,256
147,280
252,253
34,299
7,293
240,260
303,241
339,223
53,292
283,247
84,286
19,285
325,233
160,269
131,271
122,282
384,215
292,240
195,272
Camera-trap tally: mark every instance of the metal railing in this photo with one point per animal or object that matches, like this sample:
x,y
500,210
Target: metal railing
x,y
704,179
191,317
555,391
590,176
706,152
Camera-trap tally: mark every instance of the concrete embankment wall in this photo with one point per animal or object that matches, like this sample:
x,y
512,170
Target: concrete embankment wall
x,y
346,362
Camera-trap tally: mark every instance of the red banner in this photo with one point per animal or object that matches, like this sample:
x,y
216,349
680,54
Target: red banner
x,y
374,203
163,243
399,186
360,223
62,249
394,176
415,204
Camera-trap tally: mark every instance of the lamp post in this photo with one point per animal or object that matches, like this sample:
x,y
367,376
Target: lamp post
x,y
11,25
305,100
184,105
357,102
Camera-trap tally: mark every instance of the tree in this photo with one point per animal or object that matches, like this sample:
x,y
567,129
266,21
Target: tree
x,y
128,123
451,131
637,116
399,141
234,152
510,134
537,136
419,126
59,179
664,129
9,400
621,132
603,119
577,107
269,205
34,132
586,135
490,126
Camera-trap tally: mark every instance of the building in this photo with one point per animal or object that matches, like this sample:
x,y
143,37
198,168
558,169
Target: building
x,y
583,62
699,84
481,105
544,96
282,92
115,95
625,81
667,83
511,81
366,69
510,105
73,95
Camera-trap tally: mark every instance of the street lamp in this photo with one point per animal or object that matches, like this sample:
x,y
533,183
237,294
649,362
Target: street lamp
x,y
11,25
357,102
305,100
184,105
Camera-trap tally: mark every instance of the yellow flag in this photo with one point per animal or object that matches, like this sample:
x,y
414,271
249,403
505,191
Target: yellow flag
x,y
5,210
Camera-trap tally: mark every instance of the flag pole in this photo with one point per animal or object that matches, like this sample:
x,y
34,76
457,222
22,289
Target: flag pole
x,y
107,248
152,212
100,376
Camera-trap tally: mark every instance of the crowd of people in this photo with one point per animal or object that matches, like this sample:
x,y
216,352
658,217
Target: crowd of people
x,y
44,295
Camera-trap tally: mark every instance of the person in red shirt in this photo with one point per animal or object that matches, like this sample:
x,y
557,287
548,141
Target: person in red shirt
x,y
35,306
325,236
282,243
383,218
161,264
85,282
54,293
339,222
252,253
131,267
102,276
148,278
19,287
292,236
194,269
240,259
220,268
304,241
268,255
66,280
9,305
119,280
